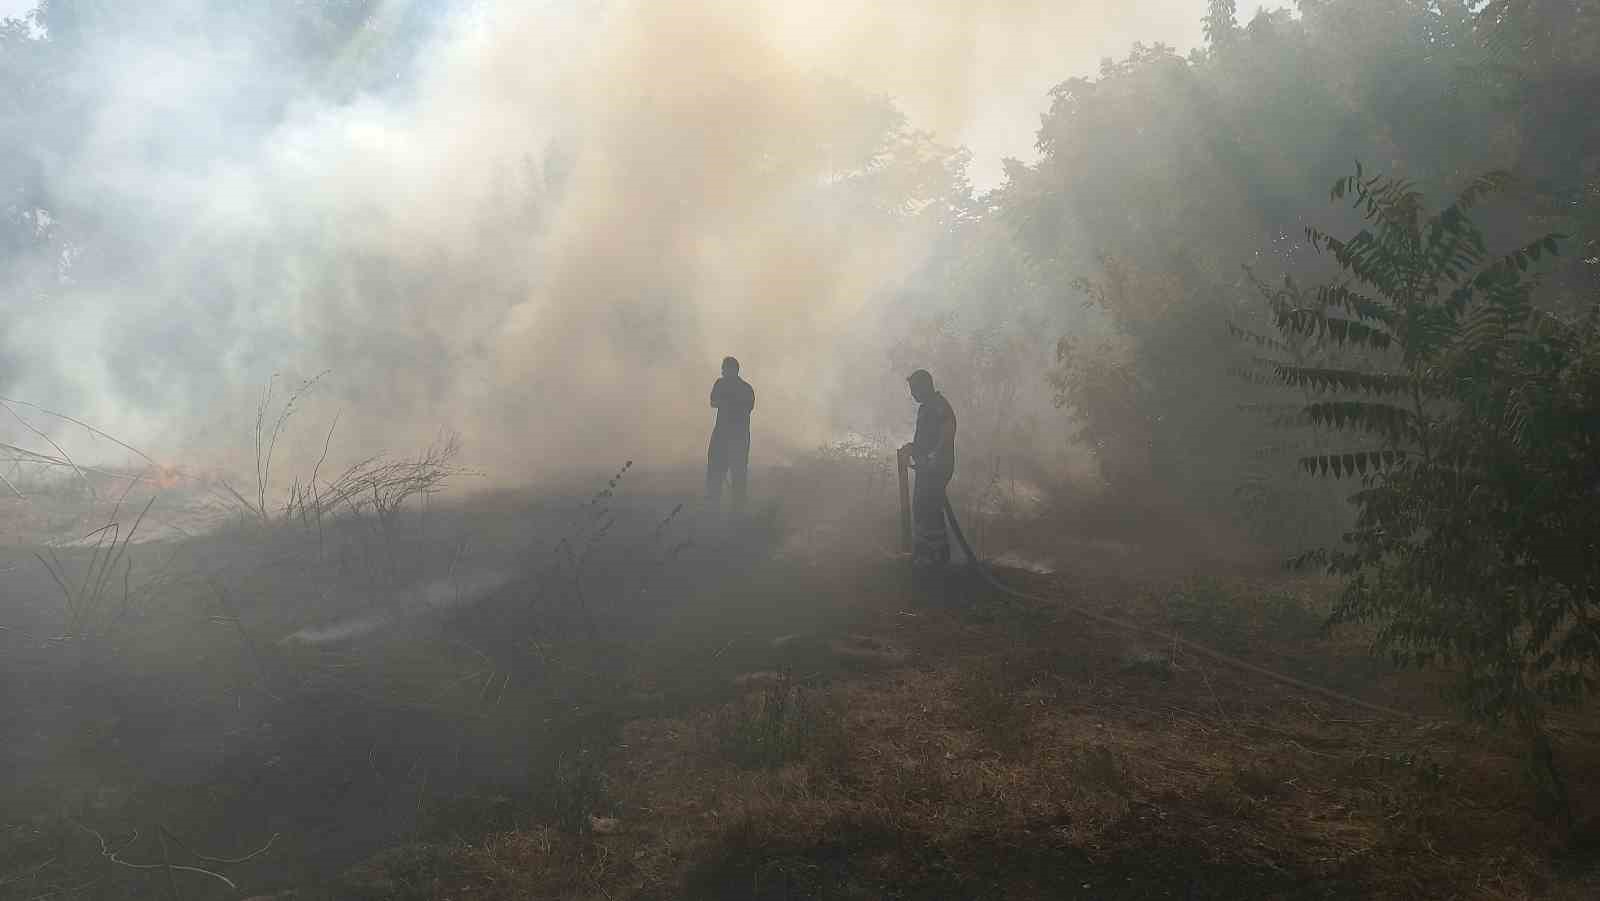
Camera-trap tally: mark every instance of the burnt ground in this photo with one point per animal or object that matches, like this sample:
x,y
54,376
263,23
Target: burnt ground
x,y
574,696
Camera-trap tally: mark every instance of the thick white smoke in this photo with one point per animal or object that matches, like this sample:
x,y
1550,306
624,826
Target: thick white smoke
x,y
544,237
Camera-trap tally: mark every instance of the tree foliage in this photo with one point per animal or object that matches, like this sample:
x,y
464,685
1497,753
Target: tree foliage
x,y
1160,174
1473,432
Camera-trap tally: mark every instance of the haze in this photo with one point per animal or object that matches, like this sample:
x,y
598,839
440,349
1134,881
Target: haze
x,y
1173,468
560,214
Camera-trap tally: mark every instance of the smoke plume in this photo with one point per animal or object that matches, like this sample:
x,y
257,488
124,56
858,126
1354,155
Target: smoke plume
x,y
544,234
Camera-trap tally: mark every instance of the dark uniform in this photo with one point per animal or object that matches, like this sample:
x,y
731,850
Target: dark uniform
x,y
933,450
730,439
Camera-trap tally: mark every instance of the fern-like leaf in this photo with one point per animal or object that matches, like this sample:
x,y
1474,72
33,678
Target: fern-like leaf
x,y
1325,379
1353,303
1375,418
1345,465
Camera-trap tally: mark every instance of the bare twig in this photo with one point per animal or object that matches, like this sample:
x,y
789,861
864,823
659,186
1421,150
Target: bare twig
x,y
326,442
264,467
226,860
316,493
114,857
23,455
50,441
387,484
84,602
55,576
28,456
83,425
261,418
113,529
29,873
239,498
166,860
121,553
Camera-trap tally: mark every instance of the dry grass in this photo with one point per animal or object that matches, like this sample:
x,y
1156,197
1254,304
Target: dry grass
x,y
780,721
801,728
994,761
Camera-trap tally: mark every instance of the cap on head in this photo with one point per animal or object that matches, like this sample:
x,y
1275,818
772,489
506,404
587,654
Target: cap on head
x,y
920,381
730,366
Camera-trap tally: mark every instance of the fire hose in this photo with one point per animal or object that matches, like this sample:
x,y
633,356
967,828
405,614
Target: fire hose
x,y
1212,654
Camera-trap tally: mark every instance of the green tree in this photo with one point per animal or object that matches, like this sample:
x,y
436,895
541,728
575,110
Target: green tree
x,y
1161,174
1476,544
1221,22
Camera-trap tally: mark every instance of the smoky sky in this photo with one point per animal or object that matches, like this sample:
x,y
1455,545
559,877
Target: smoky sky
x,y
538,224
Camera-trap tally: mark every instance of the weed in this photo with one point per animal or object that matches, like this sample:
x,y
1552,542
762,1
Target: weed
x,y
1210,612
1057,666
773,726
267,442
562,588
1149,664
1223,798
1425,773
1256,781
1204,610
1287,615
85,598
469,817
567,775
992,701
383,485
407,873
1099,767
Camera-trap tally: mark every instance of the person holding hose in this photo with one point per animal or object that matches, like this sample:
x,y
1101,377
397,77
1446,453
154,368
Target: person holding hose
x,y
932,453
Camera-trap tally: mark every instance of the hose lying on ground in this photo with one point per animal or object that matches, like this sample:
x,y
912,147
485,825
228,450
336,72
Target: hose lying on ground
x,y
1196,647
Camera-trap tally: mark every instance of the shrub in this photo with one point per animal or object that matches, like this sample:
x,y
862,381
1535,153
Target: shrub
x,y
1478,417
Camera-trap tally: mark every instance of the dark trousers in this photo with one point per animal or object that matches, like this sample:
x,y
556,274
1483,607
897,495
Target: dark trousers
x,y
932,542
729,455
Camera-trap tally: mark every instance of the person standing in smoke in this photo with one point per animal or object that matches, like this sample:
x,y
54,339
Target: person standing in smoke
x,y
733,399
932,452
